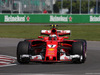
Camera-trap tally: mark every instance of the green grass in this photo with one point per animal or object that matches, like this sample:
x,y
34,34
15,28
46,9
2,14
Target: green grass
x,y
88,32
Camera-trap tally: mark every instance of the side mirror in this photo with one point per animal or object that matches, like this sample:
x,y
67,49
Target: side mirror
x,y
40,37
65,37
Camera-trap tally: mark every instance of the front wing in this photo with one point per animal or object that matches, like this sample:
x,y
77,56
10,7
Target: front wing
x,y
38,58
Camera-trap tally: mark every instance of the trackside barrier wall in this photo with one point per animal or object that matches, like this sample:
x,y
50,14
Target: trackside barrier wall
x,y
49,18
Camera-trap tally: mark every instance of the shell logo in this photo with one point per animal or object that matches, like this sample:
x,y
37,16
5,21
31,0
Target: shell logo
x,y
51,49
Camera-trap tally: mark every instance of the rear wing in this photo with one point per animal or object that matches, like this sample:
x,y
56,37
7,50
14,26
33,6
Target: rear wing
x,y
45,32
63,32
59,32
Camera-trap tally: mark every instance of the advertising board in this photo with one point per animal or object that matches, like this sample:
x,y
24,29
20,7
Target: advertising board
x,y
49,18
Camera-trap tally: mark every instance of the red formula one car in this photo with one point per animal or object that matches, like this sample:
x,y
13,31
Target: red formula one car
x,y
53,48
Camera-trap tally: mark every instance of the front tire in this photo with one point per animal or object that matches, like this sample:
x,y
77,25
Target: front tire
x,y
23,48
79,49
83,41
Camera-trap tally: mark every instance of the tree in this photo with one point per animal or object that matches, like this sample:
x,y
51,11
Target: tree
x,y
84,7
76,5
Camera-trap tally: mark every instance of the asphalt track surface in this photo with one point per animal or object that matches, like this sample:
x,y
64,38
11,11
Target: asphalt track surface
x,y
90,67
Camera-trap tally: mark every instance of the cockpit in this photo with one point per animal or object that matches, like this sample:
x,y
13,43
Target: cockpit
x,y
52,37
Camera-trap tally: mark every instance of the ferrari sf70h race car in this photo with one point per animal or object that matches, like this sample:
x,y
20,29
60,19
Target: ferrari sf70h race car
x,y
54,48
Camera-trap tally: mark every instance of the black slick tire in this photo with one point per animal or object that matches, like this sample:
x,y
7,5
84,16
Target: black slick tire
x,y
22,48
78,48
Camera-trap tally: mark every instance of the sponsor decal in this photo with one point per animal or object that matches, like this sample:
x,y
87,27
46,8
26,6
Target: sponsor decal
x,y
51,49
28,18
51,46
60,19
94,19
50,53
16,18
70,18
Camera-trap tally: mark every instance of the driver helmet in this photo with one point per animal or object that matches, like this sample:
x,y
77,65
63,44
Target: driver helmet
x,y
53,37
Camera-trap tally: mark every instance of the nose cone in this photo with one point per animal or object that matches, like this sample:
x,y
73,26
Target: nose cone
x,y
51,51
50,57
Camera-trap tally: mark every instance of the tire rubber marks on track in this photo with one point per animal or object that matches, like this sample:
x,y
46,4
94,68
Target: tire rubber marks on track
x,y
7,60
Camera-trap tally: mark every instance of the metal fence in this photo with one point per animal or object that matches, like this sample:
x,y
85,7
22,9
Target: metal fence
x,y
79,6
52,6
26,6
36,6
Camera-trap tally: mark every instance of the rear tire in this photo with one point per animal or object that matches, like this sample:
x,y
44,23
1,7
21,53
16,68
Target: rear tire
x,y
23,48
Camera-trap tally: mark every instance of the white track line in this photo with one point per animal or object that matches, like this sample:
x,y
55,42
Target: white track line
x,y
8,65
